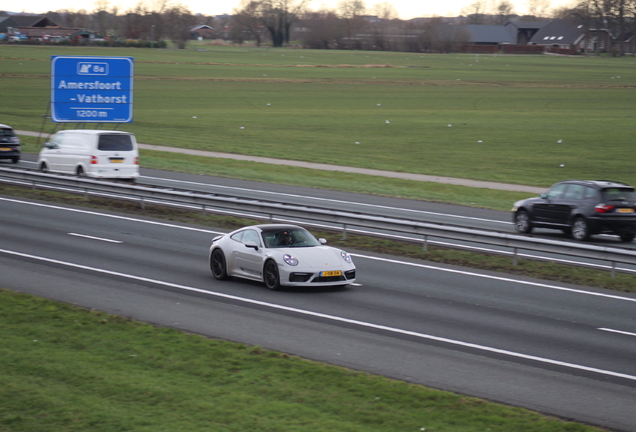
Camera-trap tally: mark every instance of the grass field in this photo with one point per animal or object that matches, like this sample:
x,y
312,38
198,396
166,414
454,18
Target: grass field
x,y
512,119
70,369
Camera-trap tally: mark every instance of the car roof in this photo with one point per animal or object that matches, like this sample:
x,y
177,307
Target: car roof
x,y
269,227
4,126
599,184
96,131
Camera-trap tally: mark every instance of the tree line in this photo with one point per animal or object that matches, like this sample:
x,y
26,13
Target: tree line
x,y
350,25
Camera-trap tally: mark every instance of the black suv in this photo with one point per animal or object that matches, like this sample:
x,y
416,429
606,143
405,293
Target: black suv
x,y
580,208
9,144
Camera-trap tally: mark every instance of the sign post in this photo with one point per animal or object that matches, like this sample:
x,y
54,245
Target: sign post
x,y
91,89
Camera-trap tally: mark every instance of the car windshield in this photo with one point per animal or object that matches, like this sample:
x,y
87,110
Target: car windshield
x,y
619,194
288,237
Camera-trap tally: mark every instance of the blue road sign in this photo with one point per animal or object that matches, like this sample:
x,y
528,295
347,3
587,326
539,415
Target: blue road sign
x,y
91,89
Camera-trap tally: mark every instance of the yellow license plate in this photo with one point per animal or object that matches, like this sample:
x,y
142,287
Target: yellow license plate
x,y
116,161
625,210
5,149
331,273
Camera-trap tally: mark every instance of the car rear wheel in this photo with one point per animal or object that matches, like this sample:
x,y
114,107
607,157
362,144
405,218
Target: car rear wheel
x,y
218,265
522,222
271,276
627,236
15,160
580,229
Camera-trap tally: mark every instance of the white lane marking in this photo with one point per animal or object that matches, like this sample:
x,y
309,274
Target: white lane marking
x,y
542,285
618,331
95,238
334,318
333,200
113,216
499,278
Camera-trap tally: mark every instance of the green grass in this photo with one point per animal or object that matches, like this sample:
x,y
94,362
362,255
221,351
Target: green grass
x,y
67,368
507,114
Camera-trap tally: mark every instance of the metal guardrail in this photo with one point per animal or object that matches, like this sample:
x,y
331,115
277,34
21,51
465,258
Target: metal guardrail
x,y
343,221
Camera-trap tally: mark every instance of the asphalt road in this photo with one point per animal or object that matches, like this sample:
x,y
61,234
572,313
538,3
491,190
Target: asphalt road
x,y
562,350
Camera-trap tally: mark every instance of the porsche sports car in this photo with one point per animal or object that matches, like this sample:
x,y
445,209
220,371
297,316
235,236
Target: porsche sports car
x,y
280,255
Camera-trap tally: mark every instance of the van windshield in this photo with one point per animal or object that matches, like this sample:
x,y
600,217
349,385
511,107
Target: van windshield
x,y
115,142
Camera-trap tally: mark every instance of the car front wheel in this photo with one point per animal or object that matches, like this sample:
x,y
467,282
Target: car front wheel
x,y
271,276
627,236
44,167
580,229
522,222
218,265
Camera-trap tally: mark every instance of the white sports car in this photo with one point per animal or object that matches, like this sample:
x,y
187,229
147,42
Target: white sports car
x,y
280,255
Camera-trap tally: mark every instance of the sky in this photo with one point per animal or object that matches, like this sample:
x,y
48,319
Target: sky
x,y
406,8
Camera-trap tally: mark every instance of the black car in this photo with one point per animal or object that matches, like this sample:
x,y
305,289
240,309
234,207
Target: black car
x,y
580,208
9,144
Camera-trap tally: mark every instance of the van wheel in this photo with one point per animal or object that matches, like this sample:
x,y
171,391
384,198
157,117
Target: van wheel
x,y
44,167
80,172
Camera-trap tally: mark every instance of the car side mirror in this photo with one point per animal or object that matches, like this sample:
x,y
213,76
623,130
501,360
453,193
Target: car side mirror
x,y
252,245
322,241
544,195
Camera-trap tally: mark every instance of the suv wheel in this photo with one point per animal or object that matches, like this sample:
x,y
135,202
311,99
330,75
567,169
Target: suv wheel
x,y
580,229
522,222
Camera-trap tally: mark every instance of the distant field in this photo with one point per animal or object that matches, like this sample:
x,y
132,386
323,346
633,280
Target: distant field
x,y
513,119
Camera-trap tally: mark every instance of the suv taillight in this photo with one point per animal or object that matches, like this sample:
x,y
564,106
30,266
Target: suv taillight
x,y
603,208
93,160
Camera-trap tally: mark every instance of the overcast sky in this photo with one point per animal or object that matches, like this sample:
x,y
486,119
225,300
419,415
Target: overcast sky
x,y
406,8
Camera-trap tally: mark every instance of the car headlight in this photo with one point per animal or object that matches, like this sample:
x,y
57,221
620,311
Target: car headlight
x,y
345,256
290,260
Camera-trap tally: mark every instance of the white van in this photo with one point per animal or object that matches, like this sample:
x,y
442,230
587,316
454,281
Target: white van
x,y
91,153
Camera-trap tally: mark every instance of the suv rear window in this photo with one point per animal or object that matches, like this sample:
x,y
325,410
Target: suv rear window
x,y
622,194
115,142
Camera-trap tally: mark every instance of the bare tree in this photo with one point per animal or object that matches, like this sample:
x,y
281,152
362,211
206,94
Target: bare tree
x,y
538,8
245,23
476,12
103,21
278,16
381,28
351,12
322,30
179,21
505,10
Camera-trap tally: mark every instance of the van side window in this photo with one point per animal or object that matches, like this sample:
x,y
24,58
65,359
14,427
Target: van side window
x,y
115,142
